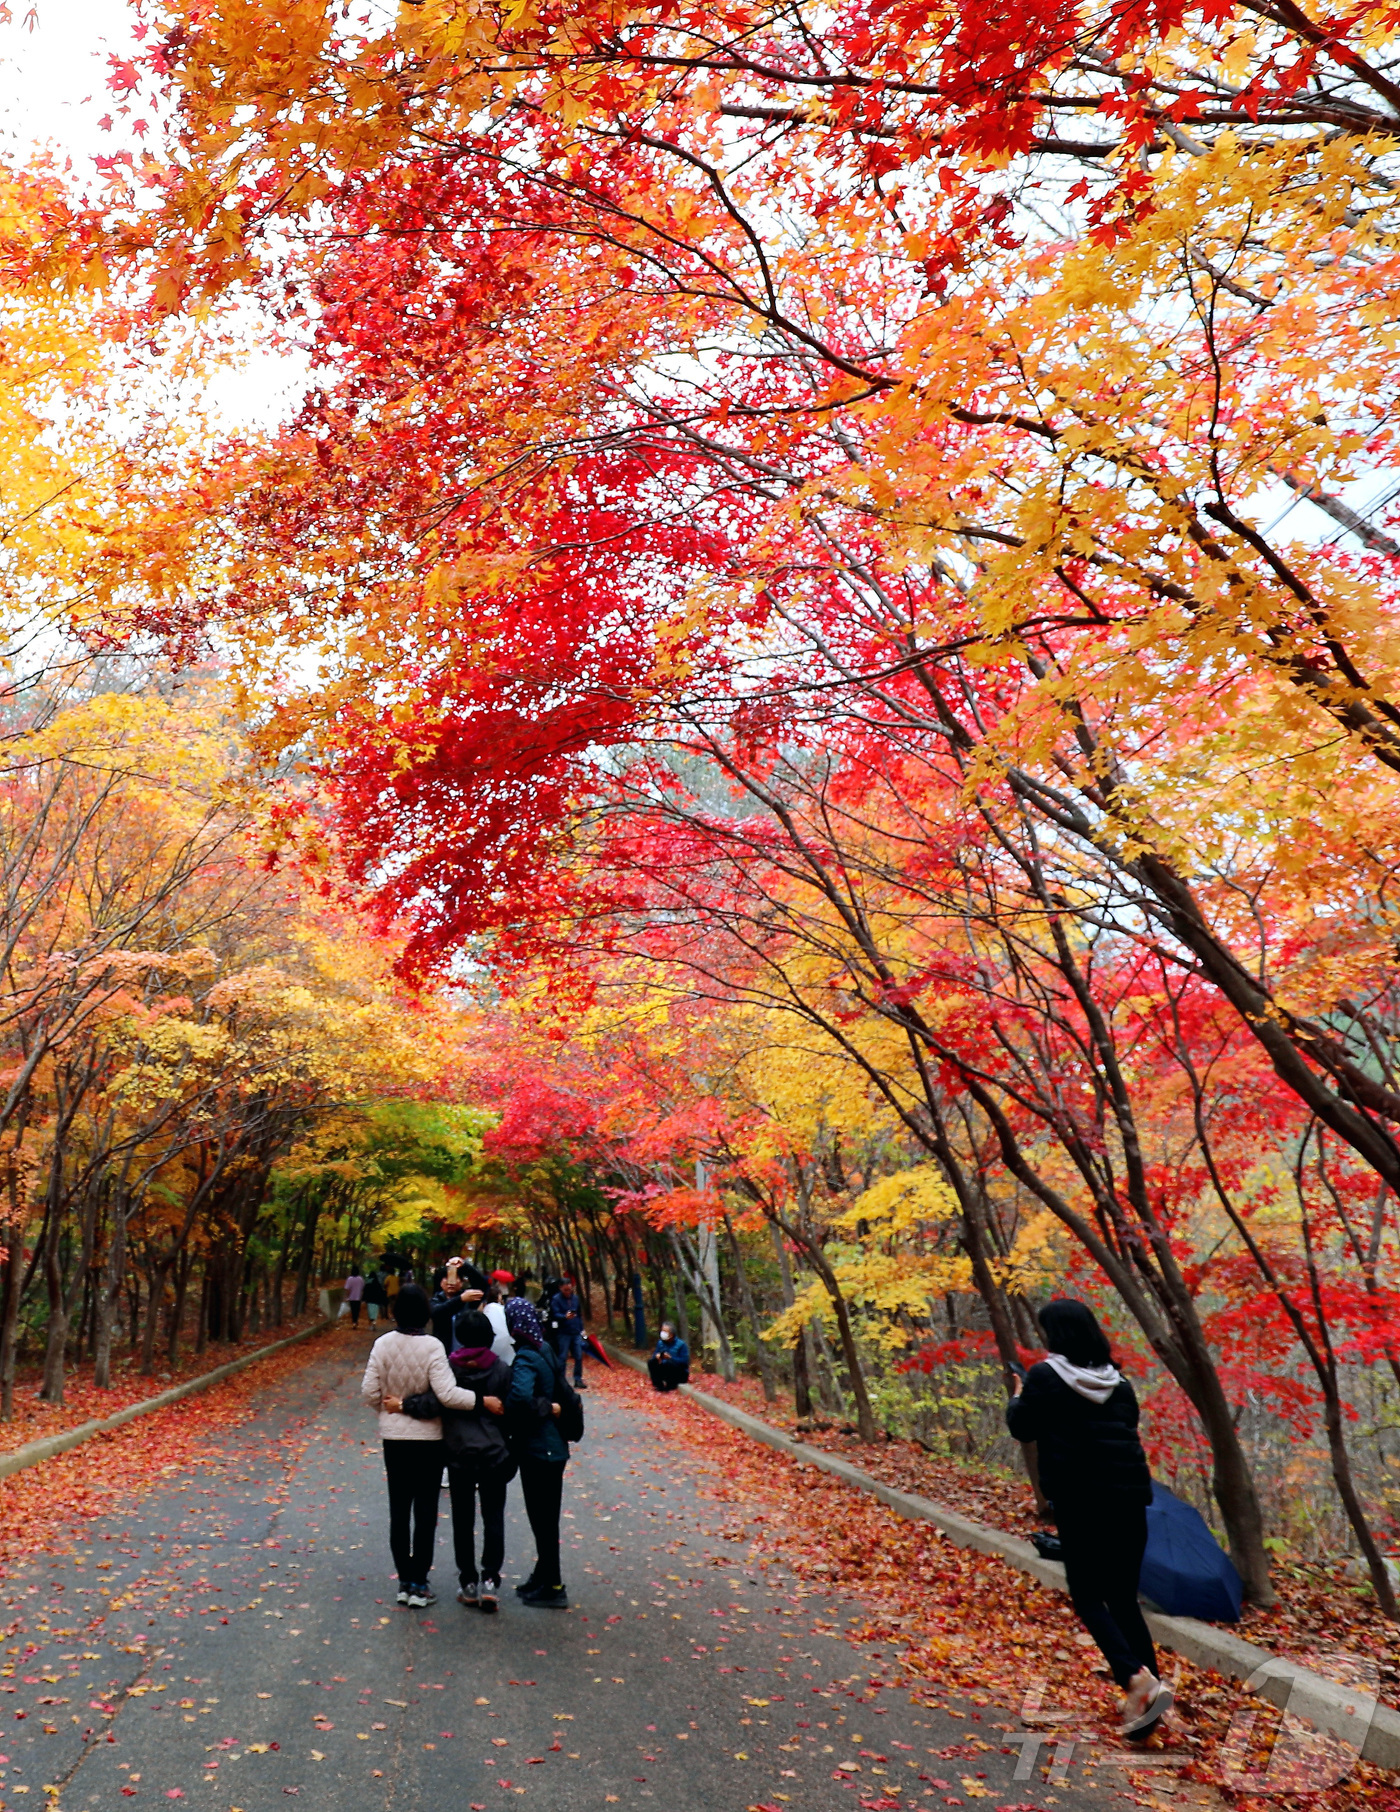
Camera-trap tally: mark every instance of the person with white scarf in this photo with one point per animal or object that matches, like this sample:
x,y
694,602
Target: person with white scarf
x,y
1081,1412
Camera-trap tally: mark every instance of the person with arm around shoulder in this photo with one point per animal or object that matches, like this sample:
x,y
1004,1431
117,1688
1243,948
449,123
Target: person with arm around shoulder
x,y
669,1364
479,1462
402,1364
1082,1414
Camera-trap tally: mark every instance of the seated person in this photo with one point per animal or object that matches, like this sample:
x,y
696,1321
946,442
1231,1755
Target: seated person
x,y
669,1365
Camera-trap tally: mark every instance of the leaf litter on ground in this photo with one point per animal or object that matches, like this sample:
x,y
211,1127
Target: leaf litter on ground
x,y
967,1625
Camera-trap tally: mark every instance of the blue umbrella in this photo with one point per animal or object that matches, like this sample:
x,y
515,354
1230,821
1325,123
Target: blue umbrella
x,y
1185,1571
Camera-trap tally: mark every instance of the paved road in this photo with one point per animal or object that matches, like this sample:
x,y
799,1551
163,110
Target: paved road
x,y
233,1642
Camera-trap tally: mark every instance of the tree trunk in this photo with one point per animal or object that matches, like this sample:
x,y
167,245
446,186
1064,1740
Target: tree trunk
x,y
1381,1580
109,1292
802,1377
177,1312
761,1353
710,1308
56,1345
866,1425
9,1321
154,1296
679,1292
865,1416
802,1356
308,1249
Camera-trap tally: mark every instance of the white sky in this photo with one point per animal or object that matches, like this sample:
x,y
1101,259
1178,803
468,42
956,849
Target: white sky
x,y
53,93
53,76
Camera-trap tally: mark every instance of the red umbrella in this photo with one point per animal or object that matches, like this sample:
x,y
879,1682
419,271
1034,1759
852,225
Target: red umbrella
x,y
596,1350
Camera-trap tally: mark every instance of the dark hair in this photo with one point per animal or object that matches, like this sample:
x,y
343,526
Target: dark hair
x,y
473,1329
411,1309
1071,1330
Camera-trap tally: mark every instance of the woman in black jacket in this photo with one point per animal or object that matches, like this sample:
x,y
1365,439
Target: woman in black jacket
x,y
479,1462
1082,1414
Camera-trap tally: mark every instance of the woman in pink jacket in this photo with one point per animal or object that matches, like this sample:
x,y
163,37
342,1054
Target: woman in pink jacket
x,y
402,1364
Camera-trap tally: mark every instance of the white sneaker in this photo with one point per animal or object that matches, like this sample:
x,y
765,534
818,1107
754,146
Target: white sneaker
x,y
420,1597
1140,1722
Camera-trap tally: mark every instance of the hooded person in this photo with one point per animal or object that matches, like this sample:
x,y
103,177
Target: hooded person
x,y
537,1387
479,1461
404,1364
1081,1412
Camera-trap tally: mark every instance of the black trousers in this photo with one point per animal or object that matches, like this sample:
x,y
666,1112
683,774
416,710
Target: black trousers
x,y
1103,1549
414,1472
354,1314
666,1374
467,1483
542,1486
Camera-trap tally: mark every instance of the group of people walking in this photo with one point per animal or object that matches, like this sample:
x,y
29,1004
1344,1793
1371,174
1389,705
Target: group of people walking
x,y
374,1293
475,1382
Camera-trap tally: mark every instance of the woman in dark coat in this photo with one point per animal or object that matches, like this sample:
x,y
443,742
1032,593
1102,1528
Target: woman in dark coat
x,y
537,1387
1081,1413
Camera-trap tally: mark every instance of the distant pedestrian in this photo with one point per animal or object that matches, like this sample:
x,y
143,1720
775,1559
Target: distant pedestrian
x,y
1081,1413
479,1460
376,1297
567,1311
534,1408
404,1364
354,1294
669,1364
391,1287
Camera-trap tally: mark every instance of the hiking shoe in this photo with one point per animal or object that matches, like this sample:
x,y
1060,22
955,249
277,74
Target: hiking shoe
x,y
490,1592
420,1597
402,1595
548,1598
525,1587
580,1384
466,1592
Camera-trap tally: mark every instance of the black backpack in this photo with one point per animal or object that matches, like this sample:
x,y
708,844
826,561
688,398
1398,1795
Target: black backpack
x,y
570,1405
